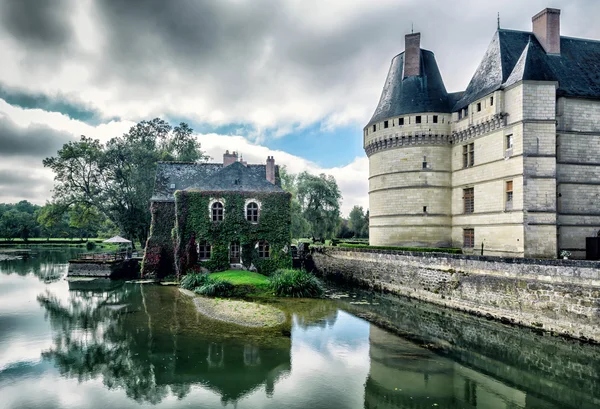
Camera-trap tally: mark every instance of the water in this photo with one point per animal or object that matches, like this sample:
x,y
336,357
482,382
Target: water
x,y
99,344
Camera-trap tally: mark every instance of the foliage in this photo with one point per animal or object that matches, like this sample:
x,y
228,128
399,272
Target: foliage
x,y
319,197
159,255
242,277
358,222
416,249
90,245
193,220
300,226
117,179
192,281
215,288
295,283
565,254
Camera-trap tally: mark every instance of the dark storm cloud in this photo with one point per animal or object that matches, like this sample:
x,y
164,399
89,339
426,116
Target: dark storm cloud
x,y
64,105
36,141
21,180
39,24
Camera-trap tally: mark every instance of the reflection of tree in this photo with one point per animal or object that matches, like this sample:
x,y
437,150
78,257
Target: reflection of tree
x,y
311,313
47,265
137,338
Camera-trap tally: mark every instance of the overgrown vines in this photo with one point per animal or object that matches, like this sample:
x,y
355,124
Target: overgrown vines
x,y
194,224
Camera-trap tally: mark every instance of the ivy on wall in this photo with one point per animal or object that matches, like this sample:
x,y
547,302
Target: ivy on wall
x,y
159,256
193,223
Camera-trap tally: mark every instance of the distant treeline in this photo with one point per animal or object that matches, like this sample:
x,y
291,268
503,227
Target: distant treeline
x,y
25,221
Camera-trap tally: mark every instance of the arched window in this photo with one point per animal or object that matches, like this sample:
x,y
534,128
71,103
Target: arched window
x,y
264,250
252,212
217,212
203,250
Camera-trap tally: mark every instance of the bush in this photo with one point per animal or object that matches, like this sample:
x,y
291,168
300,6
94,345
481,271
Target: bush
x,y
90,245
193,280
215,288
295,283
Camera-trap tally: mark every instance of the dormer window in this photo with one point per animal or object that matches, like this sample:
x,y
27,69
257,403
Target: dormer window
x,y
374,128
252,212
386,124
217,211
418,119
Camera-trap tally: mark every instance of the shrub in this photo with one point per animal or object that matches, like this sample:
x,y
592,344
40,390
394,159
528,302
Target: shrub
x,y
90,245
193,280
295,283
215,288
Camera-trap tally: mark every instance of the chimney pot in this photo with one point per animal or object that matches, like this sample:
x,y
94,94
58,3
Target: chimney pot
x,y
546,27
412,55
270,169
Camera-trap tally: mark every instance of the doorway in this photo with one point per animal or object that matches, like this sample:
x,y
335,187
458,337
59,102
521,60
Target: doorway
x,y
234,253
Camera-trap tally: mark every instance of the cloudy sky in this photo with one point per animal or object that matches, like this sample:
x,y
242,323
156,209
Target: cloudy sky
x,y
296,79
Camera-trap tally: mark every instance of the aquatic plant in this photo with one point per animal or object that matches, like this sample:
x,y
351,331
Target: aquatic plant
x,y
193,280
295,283
215,288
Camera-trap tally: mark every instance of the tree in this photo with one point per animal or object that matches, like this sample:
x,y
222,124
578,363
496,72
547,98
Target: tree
x,y
300,227
319,197
357,221
117,179
15,224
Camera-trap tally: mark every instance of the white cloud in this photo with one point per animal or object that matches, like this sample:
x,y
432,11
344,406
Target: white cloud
x,y
351,178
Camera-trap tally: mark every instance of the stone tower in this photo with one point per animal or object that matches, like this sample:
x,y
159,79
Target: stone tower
x,y
408,144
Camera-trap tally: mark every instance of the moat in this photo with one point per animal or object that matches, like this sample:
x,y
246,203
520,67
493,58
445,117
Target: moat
x,y
101,343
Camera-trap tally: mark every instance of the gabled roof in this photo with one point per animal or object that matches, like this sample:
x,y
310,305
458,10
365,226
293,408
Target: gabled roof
x,y
531,66
423,93
237,177
517,55
173,176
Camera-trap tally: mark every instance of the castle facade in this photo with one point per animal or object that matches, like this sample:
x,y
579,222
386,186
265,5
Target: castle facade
x,y
510,165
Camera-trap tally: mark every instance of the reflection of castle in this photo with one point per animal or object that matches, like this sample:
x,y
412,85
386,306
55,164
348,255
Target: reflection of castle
x,y
403,375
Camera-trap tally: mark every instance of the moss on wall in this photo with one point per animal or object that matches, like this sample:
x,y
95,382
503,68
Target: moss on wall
x,y
193,223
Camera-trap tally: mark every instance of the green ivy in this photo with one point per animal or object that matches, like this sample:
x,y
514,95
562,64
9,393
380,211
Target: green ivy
x,y
193,222
159,255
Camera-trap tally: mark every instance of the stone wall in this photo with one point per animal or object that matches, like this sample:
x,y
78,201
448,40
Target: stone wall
x,y
553,295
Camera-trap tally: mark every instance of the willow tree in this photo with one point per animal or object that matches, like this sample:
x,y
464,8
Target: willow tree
x,y
319,197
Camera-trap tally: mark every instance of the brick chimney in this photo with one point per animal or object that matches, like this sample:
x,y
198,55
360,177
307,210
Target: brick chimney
x,y
546,27
229,158
270,169
412,55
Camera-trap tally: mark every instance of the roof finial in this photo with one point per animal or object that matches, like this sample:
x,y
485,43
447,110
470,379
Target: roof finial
x,y
498,20
412,28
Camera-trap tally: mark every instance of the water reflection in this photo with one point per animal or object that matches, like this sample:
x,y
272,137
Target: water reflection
x,y
102,343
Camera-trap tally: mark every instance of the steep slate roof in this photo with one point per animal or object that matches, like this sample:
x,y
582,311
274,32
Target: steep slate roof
x,y
209,177
423,93
517,55
237,177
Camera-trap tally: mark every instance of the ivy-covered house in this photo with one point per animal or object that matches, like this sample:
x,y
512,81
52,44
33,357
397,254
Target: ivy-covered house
x,y
215,216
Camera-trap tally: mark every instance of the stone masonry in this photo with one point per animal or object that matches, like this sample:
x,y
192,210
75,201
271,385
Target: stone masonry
x,y
559,296
524,136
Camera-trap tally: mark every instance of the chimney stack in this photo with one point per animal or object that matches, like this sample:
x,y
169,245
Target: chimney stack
x,y
546,27
229,158
412,55
271,169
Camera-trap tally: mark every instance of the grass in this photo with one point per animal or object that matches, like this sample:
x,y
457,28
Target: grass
x,y
295,283
241,277
416,249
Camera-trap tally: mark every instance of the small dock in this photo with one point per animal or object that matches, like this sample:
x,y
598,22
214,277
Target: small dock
x,y
108,265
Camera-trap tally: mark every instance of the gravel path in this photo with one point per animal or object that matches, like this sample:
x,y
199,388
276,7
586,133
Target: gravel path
x,y
238,312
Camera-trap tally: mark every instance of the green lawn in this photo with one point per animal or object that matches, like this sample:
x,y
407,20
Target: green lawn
x,y
242,277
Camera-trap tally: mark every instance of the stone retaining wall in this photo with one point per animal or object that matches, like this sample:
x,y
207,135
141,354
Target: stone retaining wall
x,y
554,295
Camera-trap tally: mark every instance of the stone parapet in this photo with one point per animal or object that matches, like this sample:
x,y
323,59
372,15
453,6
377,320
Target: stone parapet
x,y
559,296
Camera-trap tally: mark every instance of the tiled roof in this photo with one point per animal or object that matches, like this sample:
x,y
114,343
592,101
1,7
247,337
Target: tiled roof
x,y
414,94
517,55
173,176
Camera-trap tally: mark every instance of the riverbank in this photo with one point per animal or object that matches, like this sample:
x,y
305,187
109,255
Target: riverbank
x,y
557,296
244,313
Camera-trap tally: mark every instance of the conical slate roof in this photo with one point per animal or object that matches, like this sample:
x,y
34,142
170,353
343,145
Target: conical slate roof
x,y
423,93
